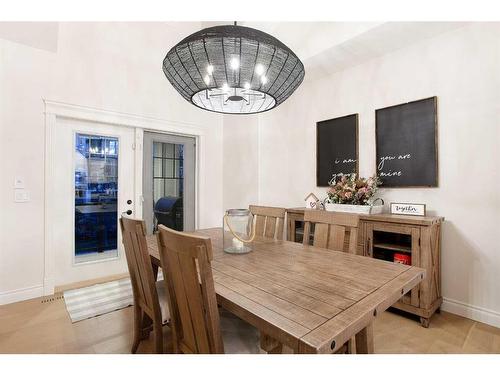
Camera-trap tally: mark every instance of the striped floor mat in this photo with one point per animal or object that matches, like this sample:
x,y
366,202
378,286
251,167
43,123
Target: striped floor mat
x,y
99,299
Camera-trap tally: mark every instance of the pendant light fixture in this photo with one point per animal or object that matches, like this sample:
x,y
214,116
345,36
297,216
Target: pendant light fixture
x,y
233,69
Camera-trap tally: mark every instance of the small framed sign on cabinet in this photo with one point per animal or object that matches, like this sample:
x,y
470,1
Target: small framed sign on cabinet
x,y
415,209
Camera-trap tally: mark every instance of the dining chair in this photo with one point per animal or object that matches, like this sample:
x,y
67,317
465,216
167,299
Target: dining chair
x,y
150,296
269,221
197,326
332,230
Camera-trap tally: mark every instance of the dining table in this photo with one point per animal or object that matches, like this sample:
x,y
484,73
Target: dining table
x,y
311,299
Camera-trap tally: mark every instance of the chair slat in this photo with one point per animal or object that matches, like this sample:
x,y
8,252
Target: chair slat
x,y
260,225
321,235
336,237
270,230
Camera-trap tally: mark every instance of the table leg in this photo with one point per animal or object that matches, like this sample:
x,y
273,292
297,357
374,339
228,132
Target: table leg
x,y
270,345
364,340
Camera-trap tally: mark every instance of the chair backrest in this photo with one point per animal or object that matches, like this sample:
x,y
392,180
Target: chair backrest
x,y
332,230
193,305
139,266
269,221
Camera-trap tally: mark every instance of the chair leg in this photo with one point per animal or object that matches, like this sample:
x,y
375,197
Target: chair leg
x,y
137,328
158,334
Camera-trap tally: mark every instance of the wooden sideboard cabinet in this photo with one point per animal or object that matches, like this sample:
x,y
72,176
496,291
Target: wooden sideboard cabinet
x,y
414,238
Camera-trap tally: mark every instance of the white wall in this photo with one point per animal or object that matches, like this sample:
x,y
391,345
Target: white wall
x,y
111,66
461,68
241,158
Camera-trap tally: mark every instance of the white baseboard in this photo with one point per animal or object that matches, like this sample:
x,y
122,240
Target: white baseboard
x,y
21,294
472,312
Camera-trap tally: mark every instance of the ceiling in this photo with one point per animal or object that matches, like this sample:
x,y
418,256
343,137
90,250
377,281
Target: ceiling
x,y
324,47
307,39
41,35
327,47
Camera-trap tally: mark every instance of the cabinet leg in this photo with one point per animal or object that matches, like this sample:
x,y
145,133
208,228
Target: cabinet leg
x,y
424,322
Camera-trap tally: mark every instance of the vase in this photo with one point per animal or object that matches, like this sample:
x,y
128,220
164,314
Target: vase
x,y
354,208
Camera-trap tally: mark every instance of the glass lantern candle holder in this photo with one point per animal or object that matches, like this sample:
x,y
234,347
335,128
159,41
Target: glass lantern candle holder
x,y
238,231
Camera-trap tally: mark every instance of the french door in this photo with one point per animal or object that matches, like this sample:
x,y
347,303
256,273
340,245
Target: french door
x,y
169,181
94,185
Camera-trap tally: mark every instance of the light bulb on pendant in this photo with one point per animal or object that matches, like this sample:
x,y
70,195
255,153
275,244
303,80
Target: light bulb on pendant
x,y
225,87
234,63
263,80
247,86
207,79
259,69
210,69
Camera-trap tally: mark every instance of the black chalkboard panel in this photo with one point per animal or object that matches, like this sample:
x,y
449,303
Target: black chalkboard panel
x,y
406,141
336,148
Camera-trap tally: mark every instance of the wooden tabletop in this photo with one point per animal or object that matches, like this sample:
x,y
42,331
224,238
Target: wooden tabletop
x,y
310,299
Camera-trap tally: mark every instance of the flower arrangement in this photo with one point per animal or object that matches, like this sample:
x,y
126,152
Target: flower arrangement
x,y
353,190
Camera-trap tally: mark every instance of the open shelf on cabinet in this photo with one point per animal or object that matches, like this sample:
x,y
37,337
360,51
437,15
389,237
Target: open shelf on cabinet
x,y
389,246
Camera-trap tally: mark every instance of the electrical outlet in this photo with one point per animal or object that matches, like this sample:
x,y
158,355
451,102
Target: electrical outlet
x,y
21,195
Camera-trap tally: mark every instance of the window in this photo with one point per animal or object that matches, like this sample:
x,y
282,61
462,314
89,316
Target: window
x,y
96,192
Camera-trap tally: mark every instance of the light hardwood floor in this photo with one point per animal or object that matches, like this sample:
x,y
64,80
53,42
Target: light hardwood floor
x,y
36,326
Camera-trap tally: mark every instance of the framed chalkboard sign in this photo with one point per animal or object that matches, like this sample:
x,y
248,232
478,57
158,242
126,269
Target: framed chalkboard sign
x,y
406,141
336,148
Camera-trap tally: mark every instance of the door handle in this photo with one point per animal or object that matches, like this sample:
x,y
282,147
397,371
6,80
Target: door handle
x,y
128,212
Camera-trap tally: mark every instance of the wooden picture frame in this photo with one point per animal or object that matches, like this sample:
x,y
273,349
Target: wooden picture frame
x,y
351,120
436,144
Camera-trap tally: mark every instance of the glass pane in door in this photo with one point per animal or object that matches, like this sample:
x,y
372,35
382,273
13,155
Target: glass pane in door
x,y
96,192
168,184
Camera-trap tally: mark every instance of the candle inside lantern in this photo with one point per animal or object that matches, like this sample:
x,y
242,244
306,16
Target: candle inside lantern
x,y
237,243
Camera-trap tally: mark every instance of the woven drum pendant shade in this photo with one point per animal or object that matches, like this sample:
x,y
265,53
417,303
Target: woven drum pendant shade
x,y
233,69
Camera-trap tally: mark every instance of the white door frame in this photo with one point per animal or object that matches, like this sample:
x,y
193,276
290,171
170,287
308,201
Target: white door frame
x,y
55,110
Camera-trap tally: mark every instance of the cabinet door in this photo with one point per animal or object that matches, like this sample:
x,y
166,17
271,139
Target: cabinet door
x,y
383,240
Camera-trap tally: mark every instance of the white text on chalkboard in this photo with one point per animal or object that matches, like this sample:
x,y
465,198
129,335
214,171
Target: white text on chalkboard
x,y
391,174
383,159
345,161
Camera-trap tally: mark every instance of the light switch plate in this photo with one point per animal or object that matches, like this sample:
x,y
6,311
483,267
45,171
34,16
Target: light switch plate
x,y
19,182
21,195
